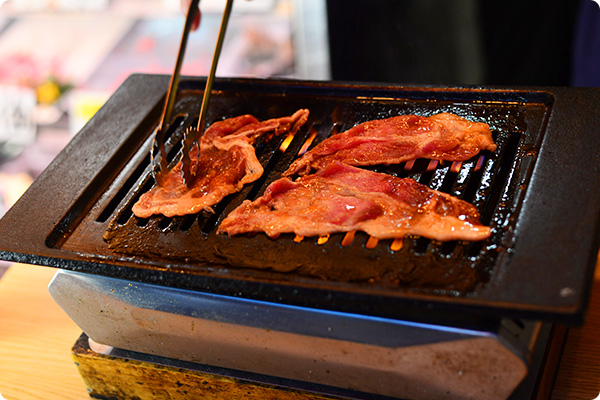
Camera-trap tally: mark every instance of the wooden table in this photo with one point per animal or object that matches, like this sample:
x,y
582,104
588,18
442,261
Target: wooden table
x,y
36,337
579,370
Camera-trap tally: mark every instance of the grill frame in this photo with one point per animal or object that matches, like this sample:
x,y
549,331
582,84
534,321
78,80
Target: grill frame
x,y
526,282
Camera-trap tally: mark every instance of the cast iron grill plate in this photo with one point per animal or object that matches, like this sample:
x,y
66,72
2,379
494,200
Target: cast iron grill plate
x,y
536,192
420,264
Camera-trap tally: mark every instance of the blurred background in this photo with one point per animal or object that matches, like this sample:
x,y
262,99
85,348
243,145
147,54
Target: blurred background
x,y
60,60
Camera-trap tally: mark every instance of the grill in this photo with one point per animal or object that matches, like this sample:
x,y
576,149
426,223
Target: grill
x,y
539,191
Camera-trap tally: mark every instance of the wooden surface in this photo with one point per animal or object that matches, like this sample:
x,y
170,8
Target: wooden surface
x,y
579,370
36,338
144,380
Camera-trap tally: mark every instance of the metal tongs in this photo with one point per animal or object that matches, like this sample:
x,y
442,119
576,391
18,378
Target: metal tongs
x,y
191,136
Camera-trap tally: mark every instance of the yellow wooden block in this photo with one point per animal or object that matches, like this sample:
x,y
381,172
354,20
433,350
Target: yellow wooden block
x,y
125,379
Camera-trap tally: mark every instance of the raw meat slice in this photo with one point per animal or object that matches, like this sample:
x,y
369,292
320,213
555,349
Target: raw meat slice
x,y
225,162
342,198
393,140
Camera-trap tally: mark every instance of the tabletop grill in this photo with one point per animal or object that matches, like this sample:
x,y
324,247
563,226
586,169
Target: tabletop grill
x,y
530,269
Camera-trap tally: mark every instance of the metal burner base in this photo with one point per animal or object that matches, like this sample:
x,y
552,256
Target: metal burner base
x,y
116,373
359,353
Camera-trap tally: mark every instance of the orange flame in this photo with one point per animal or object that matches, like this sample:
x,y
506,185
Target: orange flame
x,y
455,167
322,239
298,238
308,142
372,242
348,238
397,244
286,143
432,165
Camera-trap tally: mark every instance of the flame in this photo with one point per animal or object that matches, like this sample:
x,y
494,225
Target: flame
x,y
456,166
322,239
348,238
480,161
409,165
372,242
286,143
397,244
308,142
432,165
298,238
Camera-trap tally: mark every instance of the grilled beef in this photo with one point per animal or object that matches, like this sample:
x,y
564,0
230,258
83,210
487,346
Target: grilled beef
x,y
225,162
342,198
393,140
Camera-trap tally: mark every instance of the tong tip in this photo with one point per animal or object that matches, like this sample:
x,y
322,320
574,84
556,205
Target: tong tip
x,y
189,141
158,159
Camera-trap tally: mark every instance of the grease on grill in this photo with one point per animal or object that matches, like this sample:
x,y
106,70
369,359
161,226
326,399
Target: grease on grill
x,y
412,263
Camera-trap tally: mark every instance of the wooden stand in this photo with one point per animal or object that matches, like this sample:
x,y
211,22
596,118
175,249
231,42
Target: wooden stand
x,y
109,377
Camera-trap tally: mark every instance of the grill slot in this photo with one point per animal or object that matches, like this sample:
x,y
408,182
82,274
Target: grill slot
x,y
421,245
473,183
213,219
506,167
126,214
269,159
307,143
448,248
348,238
164,223
371,243
187,222
123,192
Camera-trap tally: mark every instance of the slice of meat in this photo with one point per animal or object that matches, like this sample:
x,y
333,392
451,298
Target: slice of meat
x,y
342,198
225,162
393,140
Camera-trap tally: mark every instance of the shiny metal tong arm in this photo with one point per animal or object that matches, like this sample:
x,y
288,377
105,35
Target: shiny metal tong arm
x,y
158,153
191,136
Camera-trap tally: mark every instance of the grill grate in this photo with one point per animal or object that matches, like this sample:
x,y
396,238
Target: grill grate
x,y
418,264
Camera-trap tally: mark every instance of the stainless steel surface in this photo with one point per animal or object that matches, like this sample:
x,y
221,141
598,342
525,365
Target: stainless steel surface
x,y
368,354
192,136
158,153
